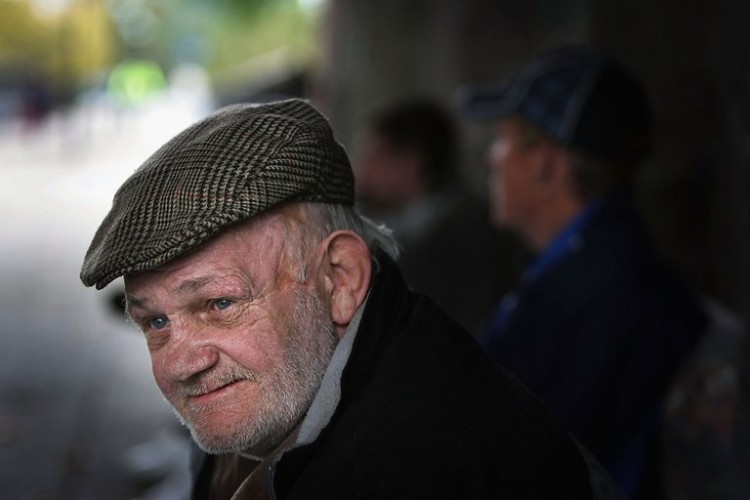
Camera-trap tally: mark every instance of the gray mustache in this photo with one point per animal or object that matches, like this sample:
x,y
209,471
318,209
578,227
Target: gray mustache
x,y
203,383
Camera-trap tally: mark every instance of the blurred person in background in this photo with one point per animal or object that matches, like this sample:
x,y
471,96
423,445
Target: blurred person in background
x,y
408,176
599,325
285,338
36,102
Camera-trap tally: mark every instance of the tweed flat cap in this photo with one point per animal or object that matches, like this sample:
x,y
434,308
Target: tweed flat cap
x,y
238,162
580,96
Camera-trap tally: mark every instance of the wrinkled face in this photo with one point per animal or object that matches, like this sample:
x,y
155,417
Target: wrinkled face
x,y
238,344
512,163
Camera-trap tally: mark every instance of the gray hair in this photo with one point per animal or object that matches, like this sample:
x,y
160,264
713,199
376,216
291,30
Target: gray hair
x,y
318,220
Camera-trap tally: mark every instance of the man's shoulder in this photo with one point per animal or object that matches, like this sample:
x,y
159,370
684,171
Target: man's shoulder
x,y
424,413
613,262
434,404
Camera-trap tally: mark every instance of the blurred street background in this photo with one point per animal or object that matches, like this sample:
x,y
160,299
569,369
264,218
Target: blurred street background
x,y
90,88
77,394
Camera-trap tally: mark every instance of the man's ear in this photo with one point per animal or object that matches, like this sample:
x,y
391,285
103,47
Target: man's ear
x,y
347,270
552,169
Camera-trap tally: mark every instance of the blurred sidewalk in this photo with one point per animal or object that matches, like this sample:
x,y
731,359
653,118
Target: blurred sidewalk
x,y
76,391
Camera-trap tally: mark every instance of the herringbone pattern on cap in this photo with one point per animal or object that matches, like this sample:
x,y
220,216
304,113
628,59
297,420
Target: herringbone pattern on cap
x,y
238,162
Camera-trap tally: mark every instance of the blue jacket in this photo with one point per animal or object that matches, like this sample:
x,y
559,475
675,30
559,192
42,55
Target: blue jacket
x,y
597,332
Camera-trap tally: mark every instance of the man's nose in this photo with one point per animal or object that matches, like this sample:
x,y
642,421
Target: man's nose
x,y
190,352
496,155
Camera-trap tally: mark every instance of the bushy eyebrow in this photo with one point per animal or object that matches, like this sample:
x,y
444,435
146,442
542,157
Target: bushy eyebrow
x,y
133,301
193,285
186,288
130,302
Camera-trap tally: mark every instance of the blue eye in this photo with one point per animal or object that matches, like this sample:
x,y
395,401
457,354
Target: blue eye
x,y
222,304
158,323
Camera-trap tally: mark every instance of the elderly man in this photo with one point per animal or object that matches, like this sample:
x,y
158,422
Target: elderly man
x,y
282,334
599,325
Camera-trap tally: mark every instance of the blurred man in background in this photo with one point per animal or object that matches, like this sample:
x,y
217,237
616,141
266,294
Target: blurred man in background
x,y
598,326
408,176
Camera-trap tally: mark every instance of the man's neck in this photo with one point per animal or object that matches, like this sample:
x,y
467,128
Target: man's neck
x,y
553,219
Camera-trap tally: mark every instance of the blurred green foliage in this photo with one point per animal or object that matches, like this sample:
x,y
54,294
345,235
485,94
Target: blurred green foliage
x,y
68,48
75,44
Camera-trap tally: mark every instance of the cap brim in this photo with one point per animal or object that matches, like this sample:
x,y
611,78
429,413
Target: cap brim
x,y
484,102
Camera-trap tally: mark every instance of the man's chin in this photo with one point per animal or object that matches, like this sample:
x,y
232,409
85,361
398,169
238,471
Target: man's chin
x,y
220,444
222,440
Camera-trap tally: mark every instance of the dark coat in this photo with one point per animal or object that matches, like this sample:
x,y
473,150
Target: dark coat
x,y
424,413
598,337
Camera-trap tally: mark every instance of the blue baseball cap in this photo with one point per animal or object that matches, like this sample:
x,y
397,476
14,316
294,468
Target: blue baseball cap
x,y
579,96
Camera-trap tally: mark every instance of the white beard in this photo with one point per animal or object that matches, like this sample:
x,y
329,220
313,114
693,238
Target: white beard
x,y
286,393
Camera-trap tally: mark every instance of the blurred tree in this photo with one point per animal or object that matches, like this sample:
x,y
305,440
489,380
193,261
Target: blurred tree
x,y
24,37
235,40
66,48
86,44
76,44
260,35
